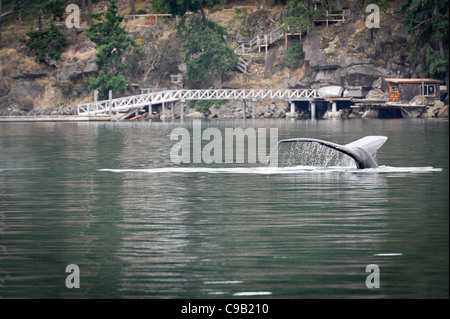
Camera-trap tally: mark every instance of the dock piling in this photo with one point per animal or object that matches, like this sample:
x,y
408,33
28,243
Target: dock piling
x,y
110,102
313,110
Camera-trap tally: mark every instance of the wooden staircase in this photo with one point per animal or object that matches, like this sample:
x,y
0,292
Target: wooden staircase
x,y
256,43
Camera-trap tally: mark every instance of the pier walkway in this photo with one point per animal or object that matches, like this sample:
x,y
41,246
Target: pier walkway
x,y
136,102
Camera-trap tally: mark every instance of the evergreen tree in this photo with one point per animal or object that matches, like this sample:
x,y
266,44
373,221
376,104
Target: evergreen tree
x,y
47,44
180,7
300,15
207,54
112,43
55,7
293,55
428,26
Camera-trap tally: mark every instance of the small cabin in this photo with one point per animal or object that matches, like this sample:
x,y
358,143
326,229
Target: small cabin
x,y
404,90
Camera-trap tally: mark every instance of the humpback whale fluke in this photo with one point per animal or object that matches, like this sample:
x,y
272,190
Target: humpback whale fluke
x,y
362,150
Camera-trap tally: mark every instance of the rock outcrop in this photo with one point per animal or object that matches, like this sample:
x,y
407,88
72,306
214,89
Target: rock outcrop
x,y
27,86
350,54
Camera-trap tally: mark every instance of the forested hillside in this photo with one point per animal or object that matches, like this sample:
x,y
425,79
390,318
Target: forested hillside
x,y
49,62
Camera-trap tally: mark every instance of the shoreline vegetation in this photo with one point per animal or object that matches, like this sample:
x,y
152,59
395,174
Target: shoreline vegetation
x,y
132,47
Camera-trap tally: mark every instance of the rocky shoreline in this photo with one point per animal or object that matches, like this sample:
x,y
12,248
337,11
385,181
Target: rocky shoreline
x,y
253,109
346,54
281,109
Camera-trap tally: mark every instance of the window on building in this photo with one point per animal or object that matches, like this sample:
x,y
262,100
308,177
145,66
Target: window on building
x,y
428,89
394,89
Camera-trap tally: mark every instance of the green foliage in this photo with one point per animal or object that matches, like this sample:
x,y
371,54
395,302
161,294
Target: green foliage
x,y
241,13
293,55
428,26
55,7
19,6
383,4
426,19
47,44
108,81
112,43
207,54
180,7
436,65
300,15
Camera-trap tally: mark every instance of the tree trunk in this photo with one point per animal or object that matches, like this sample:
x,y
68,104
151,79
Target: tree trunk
x,y
219,78
84,16
132,7
89,5
0,20
202,11
40,20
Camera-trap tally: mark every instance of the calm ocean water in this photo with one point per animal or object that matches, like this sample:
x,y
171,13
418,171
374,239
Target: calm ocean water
x,y
107,198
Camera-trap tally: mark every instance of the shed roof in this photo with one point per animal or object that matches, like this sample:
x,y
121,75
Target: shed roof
x,y
418,80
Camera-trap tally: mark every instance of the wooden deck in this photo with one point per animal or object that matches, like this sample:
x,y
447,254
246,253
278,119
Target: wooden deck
x,y
56,118
136,102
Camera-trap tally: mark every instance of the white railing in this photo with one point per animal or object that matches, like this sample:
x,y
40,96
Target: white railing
x,y
125,104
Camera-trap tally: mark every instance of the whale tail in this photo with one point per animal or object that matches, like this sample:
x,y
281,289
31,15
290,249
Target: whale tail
x,y
370,144
362,150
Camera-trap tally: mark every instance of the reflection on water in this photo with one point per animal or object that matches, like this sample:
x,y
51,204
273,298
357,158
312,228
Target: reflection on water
x,y
211,231
106,197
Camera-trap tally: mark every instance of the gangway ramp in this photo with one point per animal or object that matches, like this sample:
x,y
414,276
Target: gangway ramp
x,y
125,104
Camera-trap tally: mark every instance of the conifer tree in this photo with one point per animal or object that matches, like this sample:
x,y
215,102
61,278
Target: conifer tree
x,y
47,44
112,43
300,15
25,7
207,55
428,26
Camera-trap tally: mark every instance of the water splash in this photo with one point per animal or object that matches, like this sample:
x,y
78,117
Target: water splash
x,y
309,154
291,158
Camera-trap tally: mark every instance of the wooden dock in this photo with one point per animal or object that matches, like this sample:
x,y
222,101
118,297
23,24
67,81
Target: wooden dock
x,y
56,118
138,102
406,110
384,104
